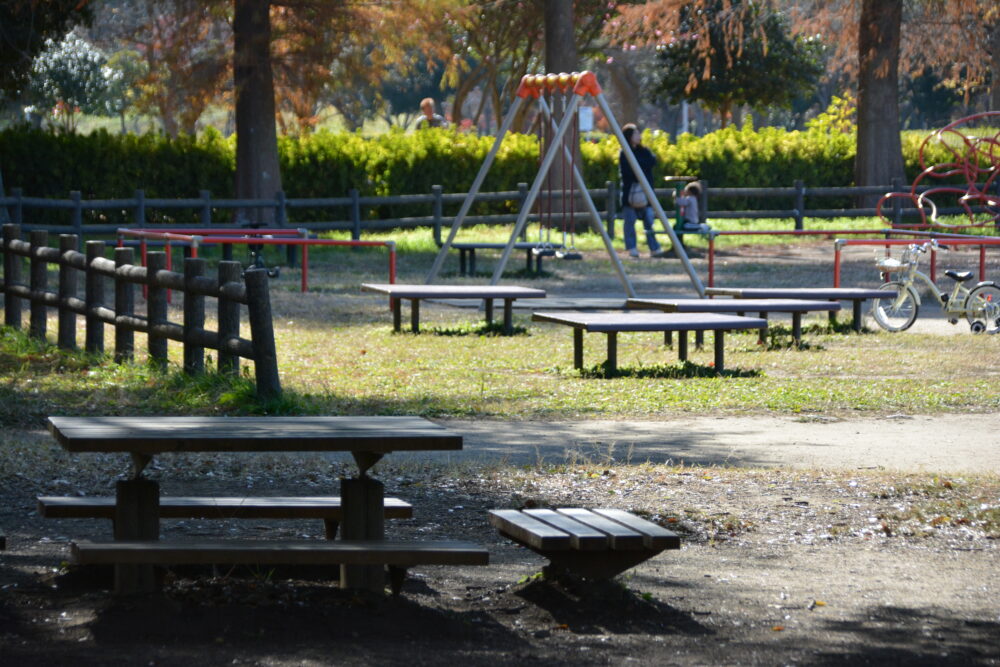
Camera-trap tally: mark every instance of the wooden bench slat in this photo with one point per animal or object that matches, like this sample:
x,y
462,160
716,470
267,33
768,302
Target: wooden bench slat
x,y
653,536
341,552
621,537
534,533
237,507
582,536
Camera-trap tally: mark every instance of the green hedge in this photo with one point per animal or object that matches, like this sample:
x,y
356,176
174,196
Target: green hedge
x,y
103,165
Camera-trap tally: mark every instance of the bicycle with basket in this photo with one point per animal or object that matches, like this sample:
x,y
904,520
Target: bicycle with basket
x,y
979,305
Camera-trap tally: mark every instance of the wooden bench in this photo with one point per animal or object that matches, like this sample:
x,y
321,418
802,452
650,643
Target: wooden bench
x,y
740,306
487,293
613,323
327,508
534,252
856,295
398,556
597,544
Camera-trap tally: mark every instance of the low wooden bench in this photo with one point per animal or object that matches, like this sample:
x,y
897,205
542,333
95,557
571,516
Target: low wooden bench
x,y
398,556
414,293
740,306
856,295
597,544
534,253
327,508
613,323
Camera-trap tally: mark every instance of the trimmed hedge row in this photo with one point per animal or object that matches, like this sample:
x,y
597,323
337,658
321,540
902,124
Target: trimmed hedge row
x,y
103,165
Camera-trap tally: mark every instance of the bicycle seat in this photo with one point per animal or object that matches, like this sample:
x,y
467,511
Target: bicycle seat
x,y
960,276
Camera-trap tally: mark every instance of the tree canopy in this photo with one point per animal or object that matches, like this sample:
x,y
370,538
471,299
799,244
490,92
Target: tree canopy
x,y
25,25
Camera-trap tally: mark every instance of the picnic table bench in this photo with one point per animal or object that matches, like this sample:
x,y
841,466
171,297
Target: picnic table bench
x,y
856,295
368,439
327,508
613,323
414,293
740,306
597,544
534,253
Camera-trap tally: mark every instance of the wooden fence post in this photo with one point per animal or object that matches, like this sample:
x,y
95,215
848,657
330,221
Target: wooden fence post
x,y
94,298
611,206
355,215
11,277
229,318
522,196
124,306
194,316
262,333
67,290
77,214
39,281
800,203
438,213
156,309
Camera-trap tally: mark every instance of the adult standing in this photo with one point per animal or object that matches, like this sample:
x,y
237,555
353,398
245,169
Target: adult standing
x,y
634,201
430,118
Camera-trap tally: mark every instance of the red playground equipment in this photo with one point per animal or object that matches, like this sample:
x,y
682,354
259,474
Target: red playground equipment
x,y
973,143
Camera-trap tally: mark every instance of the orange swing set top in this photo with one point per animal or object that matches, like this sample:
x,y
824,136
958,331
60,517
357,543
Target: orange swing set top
x,y
580,83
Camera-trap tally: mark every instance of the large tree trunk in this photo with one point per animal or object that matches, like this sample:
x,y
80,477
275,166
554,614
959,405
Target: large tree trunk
x,y
879,156
258,175
560,56
625,87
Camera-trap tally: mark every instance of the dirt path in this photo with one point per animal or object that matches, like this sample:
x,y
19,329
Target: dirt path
x,y
942,443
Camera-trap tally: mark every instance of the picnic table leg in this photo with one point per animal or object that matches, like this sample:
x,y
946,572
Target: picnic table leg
x,y
578,349
415,315
461,262
489,310
612,365
668,338
797,329
527,257
682,345
762,332
508,316
833,315
137,517
699,339
720,350
397,315
857,315
472,261
362,500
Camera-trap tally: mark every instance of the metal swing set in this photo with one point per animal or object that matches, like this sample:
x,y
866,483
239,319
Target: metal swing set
x,y
574,88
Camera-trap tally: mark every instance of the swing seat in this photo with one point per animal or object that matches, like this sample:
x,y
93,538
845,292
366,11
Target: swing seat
x,y
544,252
570,254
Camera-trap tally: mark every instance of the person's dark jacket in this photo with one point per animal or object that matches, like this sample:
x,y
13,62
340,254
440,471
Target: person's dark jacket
x,y
646,161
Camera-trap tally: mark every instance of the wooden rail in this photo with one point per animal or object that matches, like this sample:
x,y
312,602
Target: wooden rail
x,y
231,289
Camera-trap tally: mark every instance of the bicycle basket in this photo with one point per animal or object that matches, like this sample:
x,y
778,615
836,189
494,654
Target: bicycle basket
x,y
890,264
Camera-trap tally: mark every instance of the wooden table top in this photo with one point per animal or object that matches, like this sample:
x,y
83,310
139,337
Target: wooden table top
x,y
154,435
454,291
733,305
799,292
608,322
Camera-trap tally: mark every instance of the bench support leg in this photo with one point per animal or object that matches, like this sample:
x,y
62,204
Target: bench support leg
x,y
472,261
397,315
682,345
668,338
508,316
397,575
330,527
527,257
699,339
857,315
137,517
720,350
797,329
363,519
762,332
612,366
461,262
488,304
415,315
578,349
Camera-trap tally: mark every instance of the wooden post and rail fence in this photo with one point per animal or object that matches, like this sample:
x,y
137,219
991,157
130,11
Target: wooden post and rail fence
x,y
232,288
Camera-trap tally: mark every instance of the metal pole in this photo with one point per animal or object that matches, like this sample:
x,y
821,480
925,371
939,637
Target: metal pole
x,y
473,191
651,196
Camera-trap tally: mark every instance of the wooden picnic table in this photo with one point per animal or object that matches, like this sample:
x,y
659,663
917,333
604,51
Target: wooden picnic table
x,y
856,295
137,499
414,293
613,323
740,306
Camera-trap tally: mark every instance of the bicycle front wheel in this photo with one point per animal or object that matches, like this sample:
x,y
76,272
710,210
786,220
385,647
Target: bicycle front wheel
x,y
896,313
983,305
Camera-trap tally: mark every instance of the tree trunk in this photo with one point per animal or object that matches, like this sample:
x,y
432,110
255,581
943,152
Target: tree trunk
x,y
879,156
995,73
560,56
625,87
258,174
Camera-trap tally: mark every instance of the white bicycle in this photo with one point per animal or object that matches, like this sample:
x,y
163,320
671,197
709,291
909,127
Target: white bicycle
x,y
980,305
